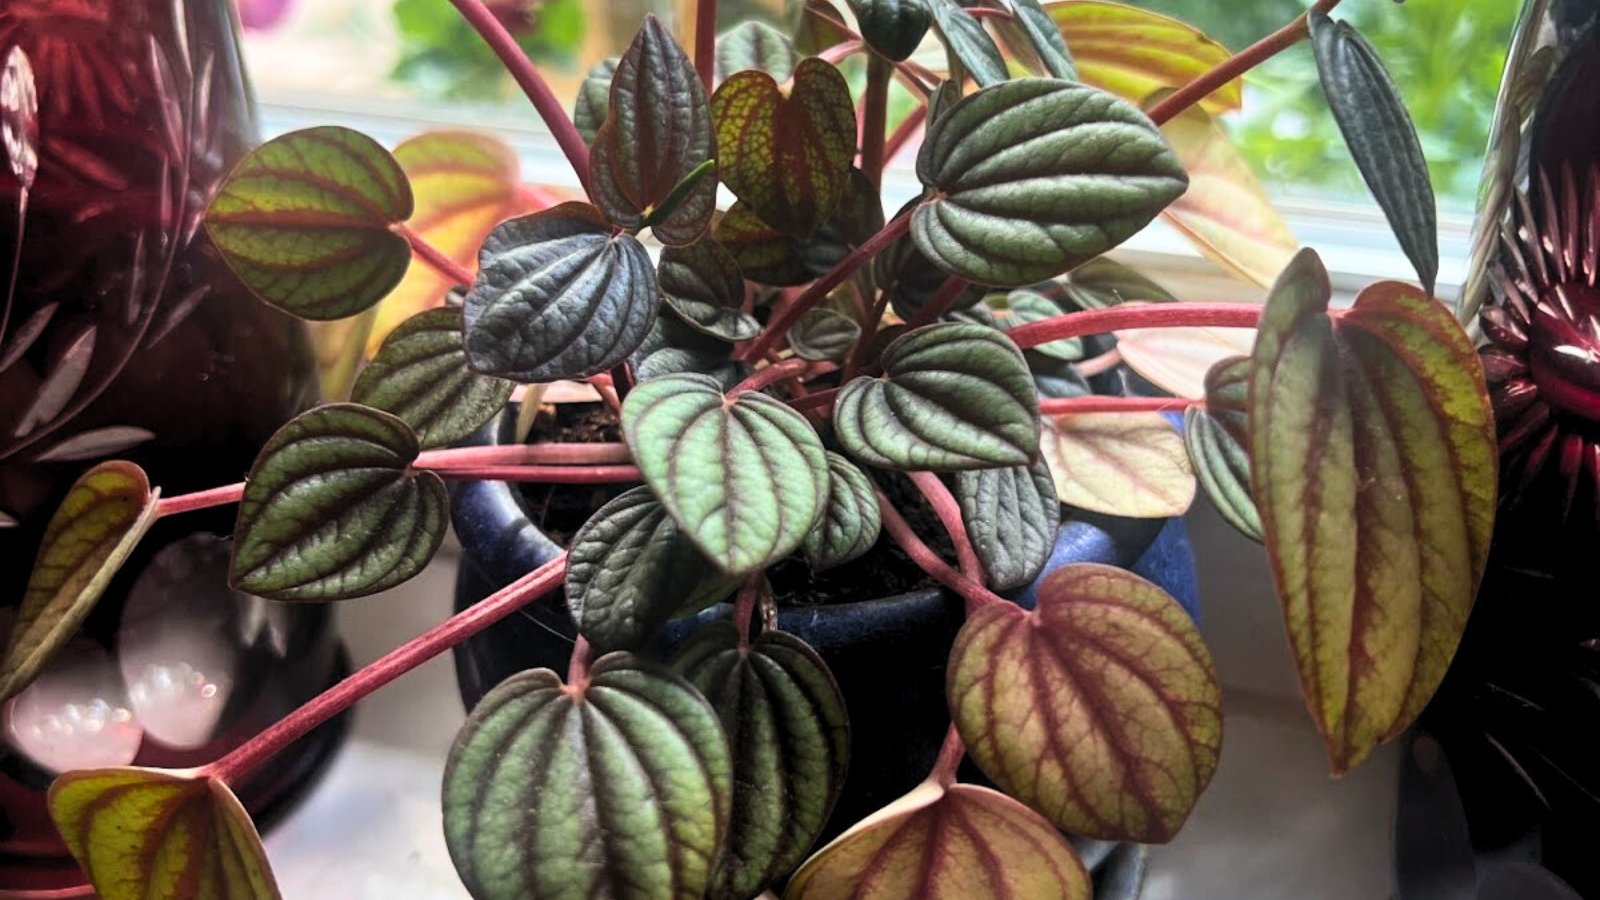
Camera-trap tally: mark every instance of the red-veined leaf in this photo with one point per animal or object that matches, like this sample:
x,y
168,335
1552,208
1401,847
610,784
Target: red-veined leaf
x,y
1121,463
1134,53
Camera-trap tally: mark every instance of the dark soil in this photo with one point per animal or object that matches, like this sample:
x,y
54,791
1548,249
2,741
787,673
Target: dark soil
x,y
560,510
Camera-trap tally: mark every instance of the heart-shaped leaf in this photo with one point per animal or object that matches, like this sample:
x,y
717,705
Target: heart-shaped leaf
x,y
331,509
892,28
304,220
558,296
763,254
1379,132
952,397
142,833
702,283
786,722
969,46
1033,177
629,570
851,523
619,787
946,843
824,334
1033,37
1100,708
1135,53
1120,463
755,45
594,98
746,478
1373,464
673,348
1011,516
1226,213
420,375
1215,436
657,131
1104,282
787,157
103,516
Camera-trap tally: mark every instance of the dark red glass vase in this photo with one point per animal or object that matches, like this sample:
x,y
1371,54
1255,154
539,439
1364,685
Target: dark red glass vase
x,y
122,334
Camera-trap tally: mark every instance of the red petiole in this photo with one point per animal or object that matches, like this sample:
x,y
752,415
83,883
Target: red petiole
x,y
433,256
928,561
949,512
1060,406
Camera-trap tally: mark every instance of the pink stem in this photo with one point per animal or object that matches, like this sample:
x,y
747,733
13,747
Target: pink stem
x,y
838,53
705,41
928,561
949,512
387,668
1098,365
905,131
532,83
950,756
544,474
182,503
939,303
1060,406
984,12
432,255
524,455
790,368
1136,315
578,666
744,606
816,400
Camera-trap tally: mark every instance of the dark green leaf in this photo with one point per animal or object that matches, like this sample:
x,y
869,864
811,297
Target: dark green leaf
x,y
617,788
786,722
969,45
824,334
702,283
331,509
420,374
745,478
787,157
1035,38
1011,515
1104,282
630,570
657,130
755,45
304,221
892,28
911,279
855,220
849,526
1378,129
1215,436
558,296
673,348
952,397
1036,176
594,96
1026,306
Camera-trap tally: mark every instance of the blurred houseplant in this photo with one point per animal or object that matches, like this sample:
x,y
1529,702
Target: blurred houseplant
x,y
795,377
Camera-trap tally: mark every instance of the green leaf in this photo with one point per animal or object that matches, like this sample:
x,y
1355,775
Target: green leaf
x,y
331,509
420,375
1120,463
1103,282
620,787
673,348
1372,461
911,280
786,722
142,833
703,284
952,397
1100,708
594,98
787,157
1033,36
851,522
304,220
946,843
746,478
1379,132
755,45
1036,176
1024,306
558,295
630,570
657,130
970,47
772,258
892,28
99,522
1011,517
1215,436
824,334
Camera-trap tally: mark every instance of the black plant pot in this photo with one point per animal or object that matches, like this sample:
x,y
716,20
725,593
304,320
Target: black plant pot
x,y
888,654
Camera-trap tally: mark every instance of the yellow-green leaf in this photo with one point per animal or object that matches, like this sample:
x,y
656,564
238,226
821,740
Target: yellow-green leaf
x,y
1373,465
145,833
1134,53
97,525
1121,463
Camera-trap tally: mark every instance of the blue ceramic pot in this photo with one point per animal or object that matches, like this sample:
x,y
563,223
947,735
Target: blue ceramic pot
x,y
888,654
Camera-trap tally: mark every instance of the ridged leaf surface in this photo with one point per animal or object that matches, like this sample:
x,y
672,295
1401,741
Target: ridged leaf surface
x,y
702,283
1216,435
421,375
1119,463
851,524
1011,517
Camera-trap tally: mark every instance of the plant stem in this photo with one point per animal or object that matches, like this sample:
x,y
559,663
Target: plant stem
x,y
818,291
532,83
869,335
904,132
874,119
1098,365
1236,65
433,256
1136,315
744,606
705,40
387,668
974,593
985,12
939,303
606,388
778,371
949,512
840,52
621,382
543,474
556,454
578,667
950,756
182,503
815,400
1060,406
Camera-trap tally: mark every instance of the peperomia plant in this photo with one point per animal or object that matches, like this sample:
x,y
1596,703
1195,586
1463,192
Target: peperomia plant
x,y
779,370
